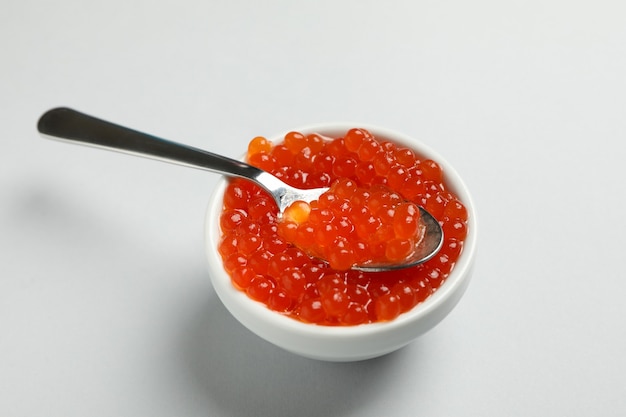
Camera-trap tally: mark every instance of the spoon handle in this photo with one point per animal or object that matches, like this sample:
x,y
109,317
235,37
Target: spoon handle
x,y
73,126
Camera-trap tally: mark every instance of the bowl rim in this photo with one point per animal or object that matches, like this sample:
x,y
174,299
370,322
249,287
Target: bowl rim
x,y
458,277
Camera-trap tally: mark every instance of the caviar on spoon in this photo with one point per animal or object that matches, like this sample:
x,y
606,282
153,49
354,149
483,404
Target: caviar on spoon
x,y
73,126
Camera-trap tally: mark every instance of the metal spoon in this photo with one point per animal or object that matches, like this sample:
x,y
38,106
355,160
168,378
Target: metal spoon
x,y
70,125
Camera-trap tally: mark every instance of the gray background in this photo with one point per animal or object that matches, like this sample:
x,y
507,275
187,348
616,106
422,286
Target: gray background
x,y
105,304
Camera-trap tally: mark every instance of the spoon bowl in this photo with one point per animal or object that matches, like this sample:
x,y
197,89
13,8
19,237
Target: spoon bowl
x,y
73,126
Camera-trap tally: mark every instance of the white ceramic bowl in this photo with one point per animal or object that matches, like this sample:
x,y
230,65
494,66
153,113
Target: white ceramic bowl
x,y
345,343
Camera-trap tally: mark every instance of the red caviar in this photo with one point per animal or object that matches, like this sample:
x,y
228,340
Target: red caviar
x,y
370,213
354,225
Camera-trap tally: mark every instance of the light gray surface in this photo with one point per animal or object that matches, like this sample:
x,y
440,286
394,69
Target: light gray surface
x,y
105,305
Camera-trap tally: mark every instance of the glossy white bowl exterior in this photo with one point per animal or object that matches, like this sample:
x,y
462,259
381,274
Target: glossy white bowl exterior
x,y
345,343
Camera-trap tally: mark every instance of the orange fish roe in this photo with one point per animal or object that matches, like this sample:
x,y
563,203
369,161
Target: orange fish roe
x,y
350,225
369,178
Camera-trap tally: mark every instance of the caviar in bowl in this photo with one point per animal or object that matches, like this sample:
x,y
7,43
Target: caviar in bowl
x,y
337,341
